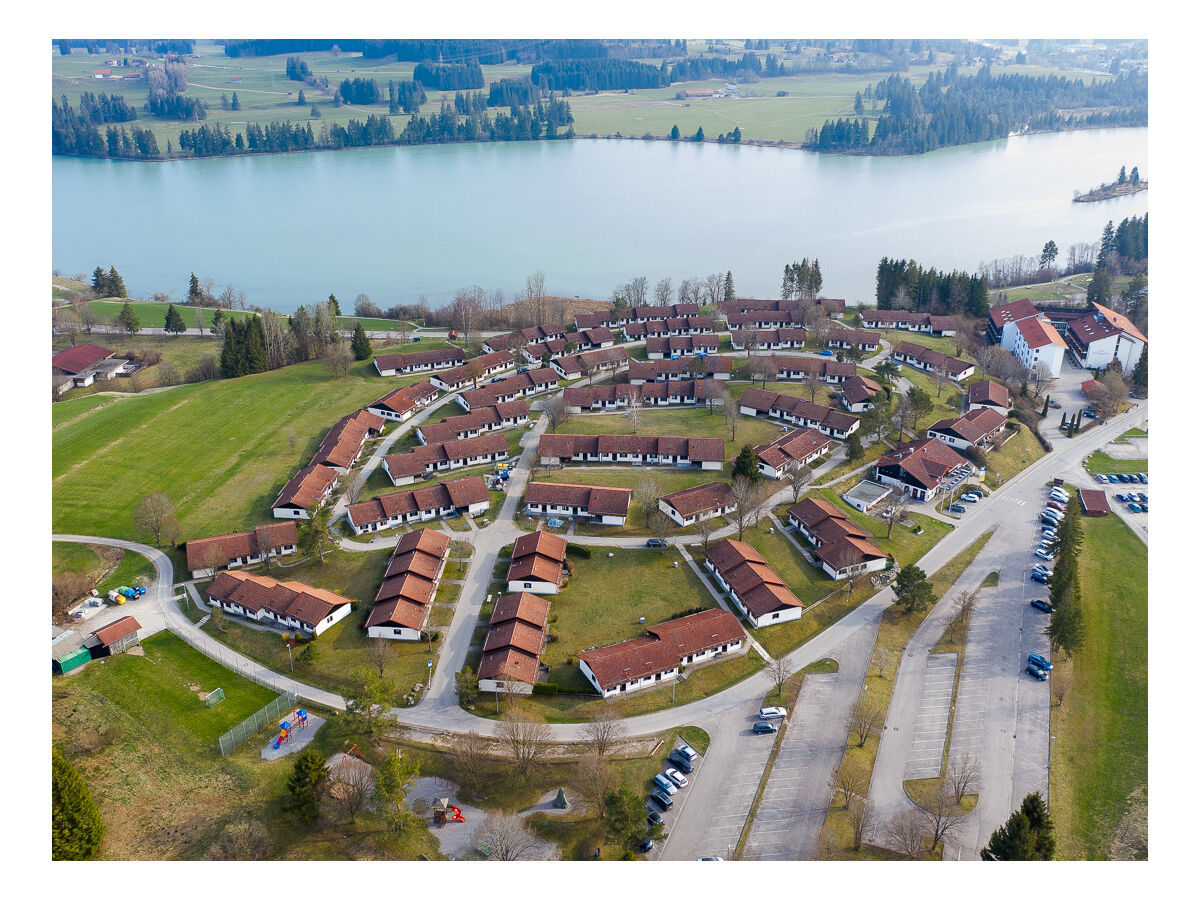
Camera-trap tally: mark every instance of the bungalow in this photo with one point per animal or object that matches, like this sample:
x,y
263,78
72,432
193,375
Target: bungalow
x,y
769,339
538,563
518,631
682,345
658,313
410,582
1102,336
595,338
1038,343
605,505
703,453
555,347
928,360
972,429
657,656
755,589
607,318
651,393
803,446
400,404
526,337
988,395
858,393
841,548
74,360
675,326
242,548
465,496
81,366
475,423
471,371
445,456
792,368
717,367
590,363
288,604
845,338
764,318
1002,322
749,304
866,494
798,411
343,444
309,487
113,638
921,322
695,504
423,361
921,468
512,387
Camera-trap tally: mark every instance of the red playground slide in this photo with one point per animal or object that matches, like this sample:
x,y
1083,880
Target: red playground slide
x,y
456,814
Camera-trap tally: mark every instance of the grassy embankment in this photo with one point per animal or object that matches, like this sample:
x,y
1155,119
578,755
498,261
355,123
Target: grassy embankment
x,y
94,561
1100,463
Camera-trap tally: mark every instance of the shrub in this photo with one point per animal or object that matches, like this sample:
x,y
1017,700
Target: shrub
x,y
547,687
580,550
688,612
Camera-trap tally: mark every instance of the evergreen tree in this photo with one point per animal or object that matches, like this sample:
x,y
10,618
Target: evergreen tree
x,y
699,134
1134,177
729,294
1034,809
1108,243
128,319
194,294
854,447
235,104
174,321
1049,254
913,591
360,344
1014,840
305,783
218,323
99,282
746,464
1046,406
300,99
1063,423
76,826
232,361
255,347
334,307
674,132
1100,287
1121,178
1140,379
116,284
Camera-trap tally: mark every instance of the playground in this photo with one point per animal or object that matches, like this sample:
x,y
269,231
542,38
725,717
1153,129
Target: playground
x,y
453,822
295,732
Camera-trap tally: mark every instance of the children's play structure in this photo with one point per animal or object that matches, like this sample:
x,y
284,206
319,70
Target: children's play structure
x,y
298,718
444,811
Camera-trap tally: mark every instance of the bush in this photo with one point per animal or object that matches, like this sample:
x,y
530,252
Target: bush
x,y
552,637
580,550
430,636
688,612
547,687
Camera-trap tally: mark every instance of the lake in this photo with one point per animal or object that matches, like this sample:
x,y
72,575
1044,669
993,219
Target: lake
x,y
399,222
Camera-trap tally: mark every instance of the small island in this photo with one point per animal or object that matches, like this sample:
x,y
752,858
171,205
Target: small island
x,y
1125,184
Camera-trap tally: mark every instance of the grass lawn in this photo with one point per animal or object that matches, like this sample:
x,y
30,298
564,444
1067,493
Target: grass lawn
x,y
826,394
1066,291
947,406
153,314
1100,730
871,452
183,351
220,450
941,344
373,324
1019,452
147,746
1132,432
95,560
73,408
1100,463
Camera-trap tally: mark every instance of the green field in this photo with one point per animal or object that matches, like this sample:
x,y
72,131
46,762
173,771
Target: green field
x,y
1100,730
1019,451
1100,463
220,450
183,351
153,314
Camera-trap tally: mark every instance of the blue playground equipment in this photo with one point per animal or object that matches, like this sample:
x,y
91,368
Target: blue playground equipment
x,y
298,719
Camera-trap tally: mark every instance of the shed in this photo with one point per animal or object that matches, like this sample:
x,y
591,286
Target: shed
x,y
1094,503
113,638
68,652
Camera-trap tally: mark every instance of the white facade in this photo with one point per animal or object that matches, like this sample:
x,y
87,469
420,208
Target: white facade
x,y
566,509
1050,355
775,617
497,685
289,622
393,633
532,586
684,521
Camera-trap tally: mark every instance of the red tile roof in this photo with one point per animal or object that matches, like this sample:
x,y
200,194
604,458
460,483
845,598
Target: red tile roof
x,y
539,556
654,368
419,358
760,589
924,462
115,630
1012,312
609,356
415,461
528,608
1094,503
406,398
800,444
701,499
973,426
343,443
990,392
1117,320
512,386
453,428
290,599
307,488
241,544
564,446
1038,333
76,359
458,494
598,501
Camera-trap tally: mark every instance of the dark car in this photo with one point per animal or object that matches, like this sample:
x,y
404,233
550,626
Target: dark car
x,y
1040,661
1040,578
653,818
661,800
1038,673
956,508
1042,605
656,543
1123,478
765,728
645,846
682,762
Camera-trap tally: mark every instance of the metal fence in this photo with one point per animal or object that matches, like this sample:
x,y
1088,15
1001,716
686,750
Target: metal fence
x,y
269,714
218,652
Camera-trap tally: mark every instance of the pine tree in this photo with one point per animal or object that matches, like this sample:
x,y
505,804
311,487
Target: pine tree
x,y
174,321
360,344
854,448
256,347
746,464
1134,176
231,351
235,104
76,826
128,319
699,134
304,785
1046,406
99,282
1141,373
674,132
194,294
1063,423
913,590
218,323
1014,840
116,284
300,99
729,294
1034,808
334,306
1121,178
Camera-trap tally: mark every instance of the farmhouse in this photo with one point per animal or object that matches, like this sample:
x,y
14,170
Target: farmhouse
x,y
387,364
445,456
798,411
475,423
756,590
717,367
656,656
1036,342
288,604
858,393
845,338
695,504
309,487
703,453
685,345
514,387
842,549
971,429
525,338
988,395
240,548
605,505
538,563
919,469
1002,322
113,638
473,370
81,366
590,363
768,339
410,582
929,360
517,633
344,442
465,496
400,404
803,445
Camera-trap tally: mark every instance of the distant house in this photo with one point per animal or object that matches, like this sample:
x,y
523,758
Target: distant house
x,y
768,339
113,638
102,73
343,444
799,412
595,338
715,367
517,634
590,363
288,604
309,487
472,371
399,405
846,338
410,582
988,395
683,345
388,364
657,656
795,368
674,326
920,469
843,549
235,79
972,429
445,456
82,365
858,393
928,360
695,504
526,337
512,387
242,548
760,594
651,394
464,496
487,418
802,445
603,505
703,453
902,320
538,563
765,319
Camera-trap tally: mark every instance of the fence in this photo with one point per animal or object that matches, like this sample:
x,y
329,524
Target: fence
x,y
269,714
220,653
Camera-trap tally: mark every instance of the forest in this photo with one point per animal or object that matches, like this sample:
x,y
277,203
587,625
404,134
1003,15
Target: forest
x,y
903,284
485,52
449,76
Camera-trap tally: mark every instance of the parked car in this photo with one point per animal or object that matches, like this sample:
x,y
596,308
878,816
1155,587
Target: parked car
x,y
1040,661
653,818
1042,554
970,498
1039,674
1143,478
772,712
1049,533
1103,479
681,761
1053,513
662,801
1047,521
1121,498
1133,507
656,542
1043,605
1055,504
676,777
1112,479
1045,570
1088,414
710,859
645,846
956,508
686,750
1059,496
664,783
1123,478
765,728
826,353
1142,498
1040,577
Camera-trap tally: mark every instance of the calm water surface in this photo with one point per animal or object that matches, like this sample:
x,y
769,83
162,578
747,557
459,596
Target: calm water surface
x,y
398,222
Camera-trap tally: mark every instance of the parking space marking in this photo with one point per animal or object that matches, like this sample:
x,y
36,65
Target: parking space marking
x,y
924,758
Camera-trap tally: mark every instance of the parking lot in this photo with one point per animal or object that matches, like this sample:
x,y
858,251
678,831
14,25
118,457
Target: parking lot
x,y
929,730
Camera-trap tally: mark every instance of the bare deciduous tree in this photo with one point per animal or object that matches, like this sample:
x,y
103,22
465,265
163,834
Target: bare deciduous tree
x,y
962,776
278,338
635,290
746,500
896,513
350,785
729,408
557,412
290,434
604,730
659,524
635,406
593,779
780,670
1039,377
812,383
862,820
525,738
214,557
705,528
155,514
796,475
466,309
355,480
662,292
850,780
507,837
906,834
866,719
535,293
646,493
714,288
1059,687
380,652
941,814
471,761
338,357
762,368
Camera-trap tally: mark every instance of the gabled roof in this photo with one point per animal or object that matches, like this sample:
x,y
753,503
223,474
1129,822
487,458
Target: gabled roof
x,y
857,389
451,428
76,359
460,493
799,444
701,498
463,373
564,446
973,426
538,556
513,385
598,501
651,369
307,487
852,336
528,608
115,630
418,358
683,343
924,462
415,461
241,544
342,443
403,399
290,599
1117,320
1012,312
594,358
1039,333
989,392
760,589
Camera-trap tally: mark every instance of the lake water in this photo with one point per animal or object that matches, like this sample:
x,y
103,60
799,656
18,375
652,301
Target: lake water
x,y
398,222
